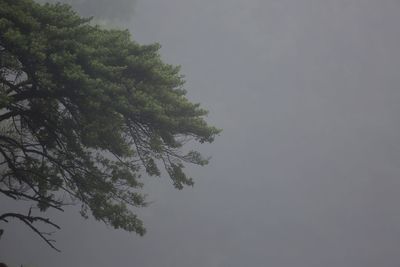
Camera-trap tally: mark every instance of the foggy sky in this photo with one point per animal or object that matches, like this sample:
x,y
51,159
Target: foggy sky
x,y
307,170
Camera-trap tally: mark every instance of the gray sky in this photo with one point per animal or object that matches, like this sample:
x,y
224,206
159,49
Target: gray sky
x,y
307,170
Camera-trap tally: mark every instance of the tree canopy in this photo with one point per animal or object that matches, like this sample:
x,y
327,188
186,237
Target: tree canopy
x,y
85,113
119,10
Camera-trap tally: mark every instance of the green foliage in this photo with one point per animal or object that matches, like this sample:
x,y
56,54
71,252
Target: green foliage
x,y
84,111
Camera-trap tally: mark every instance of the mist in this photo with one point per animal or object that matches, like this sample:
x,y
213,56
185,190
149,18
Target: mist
x,y
307,170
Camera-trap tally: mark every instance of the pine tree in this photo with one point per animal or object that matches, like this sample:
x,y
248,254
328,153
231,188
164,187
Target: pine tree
x,y
84,113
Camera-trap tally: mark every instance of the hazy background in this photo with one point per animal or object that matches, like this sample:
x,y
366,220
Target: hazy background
x,y
307,170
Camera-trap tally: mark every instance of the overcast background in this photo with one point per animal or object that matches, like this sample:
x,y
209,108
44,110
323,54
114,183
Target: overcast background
x,y
307,170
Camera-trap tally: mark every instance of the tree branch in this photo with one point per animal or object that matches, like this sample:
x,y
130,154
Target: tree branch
x,y
29,221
